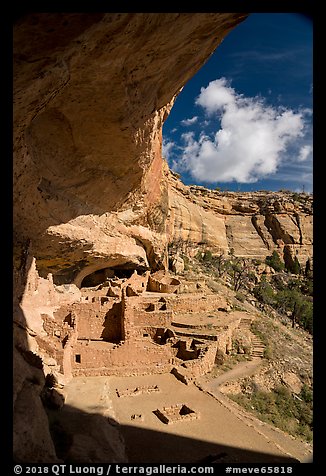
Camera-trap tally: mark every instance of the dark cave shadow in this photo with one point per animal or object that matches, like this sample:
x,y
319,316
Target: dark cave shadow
x,y
144,446
112,324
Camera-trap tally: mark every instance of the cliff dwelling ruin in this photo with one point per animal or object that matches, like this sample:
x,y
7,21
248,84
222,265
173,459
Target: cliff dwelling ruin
x,y
106,332
128,326
175,413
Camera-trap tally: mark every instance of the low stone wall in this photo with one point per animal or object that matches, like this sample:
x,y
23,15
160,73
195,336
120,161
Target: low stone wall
x,y
197,335
205,361
140,390
176,413
195,286
191,369
162,283
124,371
196,303
101,358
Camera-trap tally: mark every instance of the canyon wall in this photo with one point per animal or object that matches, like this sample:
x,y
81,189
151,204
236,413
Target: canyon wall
x,y
247,224
91,189
91,92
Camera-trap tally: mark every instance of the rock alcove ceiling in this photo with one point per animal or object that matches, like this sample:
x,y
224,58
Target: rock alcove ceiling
x,y
91,190
91,92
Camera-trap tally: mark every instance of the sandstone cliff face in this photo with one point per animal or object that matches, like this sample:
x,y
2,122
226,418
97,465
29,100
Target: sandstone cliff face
x,y
251,224
91,92
91,189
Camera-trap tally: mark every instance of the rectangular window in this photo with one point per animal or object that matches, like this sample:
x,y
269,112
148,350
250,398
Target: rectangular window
x,y
78,358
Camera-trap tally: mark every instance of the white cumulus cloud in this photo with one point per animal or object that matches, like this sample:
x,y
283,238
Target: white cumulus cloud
x,y
190,121
216,96
251,141
304,153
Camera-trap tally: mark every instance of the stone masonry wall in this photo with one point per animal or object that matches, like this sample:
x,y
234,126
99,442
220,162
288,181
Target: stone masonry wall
x,y
224,339
123,359
191,369
154,318
196,302
205,361
99,320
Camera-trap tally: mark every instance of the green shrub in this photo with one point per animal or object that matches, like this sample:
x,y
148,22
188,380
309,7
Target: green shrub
x,y
256,262
299,305
268,354
264,292
204,256
307,286
207,256
274,261
306,394
293,265
296,266
293,298
308,270
281,408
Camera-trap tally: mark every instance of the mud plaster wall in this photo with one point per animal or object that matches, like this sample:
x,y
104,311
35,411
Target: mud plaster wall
x,y
59,331
42,296
204,363
99,320
51,347
159,287
138,282
144,313
196,303
152,319
224,339
137,357
127,320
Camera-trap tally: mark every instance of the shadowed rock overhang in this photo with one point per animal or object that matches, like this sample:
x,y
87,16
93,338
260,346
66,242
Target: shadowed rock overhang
x,y
91,93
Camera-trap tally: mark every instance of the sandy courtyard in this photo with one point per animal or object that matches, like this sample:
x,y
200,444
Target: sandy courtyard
x,y
218,434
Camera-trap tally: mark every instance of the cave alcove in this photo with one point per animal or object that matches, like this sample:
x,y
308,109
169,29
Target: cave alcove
x,y
100,276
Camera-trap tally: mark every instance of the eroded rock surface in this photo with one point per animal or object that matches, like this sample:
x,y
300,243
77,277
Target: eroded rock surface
x,y
248,224
92,193
91,92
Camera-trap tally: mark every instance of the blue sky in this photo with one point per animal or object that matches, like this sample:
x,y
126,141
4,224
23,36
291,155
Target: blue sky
x,y
244,121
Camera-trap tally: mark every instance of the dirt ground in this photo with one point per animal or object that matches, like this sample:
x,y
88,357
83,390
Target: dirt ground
x,y
242,369
223,432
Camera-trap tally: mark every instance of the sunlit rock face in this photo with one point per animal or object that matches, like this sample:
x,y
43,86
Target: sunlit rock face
x,y
247,224
91,93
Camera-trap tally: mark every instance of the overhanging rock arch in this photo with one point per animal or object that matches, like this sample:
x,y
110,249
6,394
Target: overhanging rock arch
x,y
101,84
96,274
91,95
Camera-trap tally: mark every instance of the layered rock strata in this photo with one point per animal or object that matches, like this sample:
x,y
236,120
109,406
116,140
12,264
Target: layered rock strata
x,y
91,92
93,197
247,224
